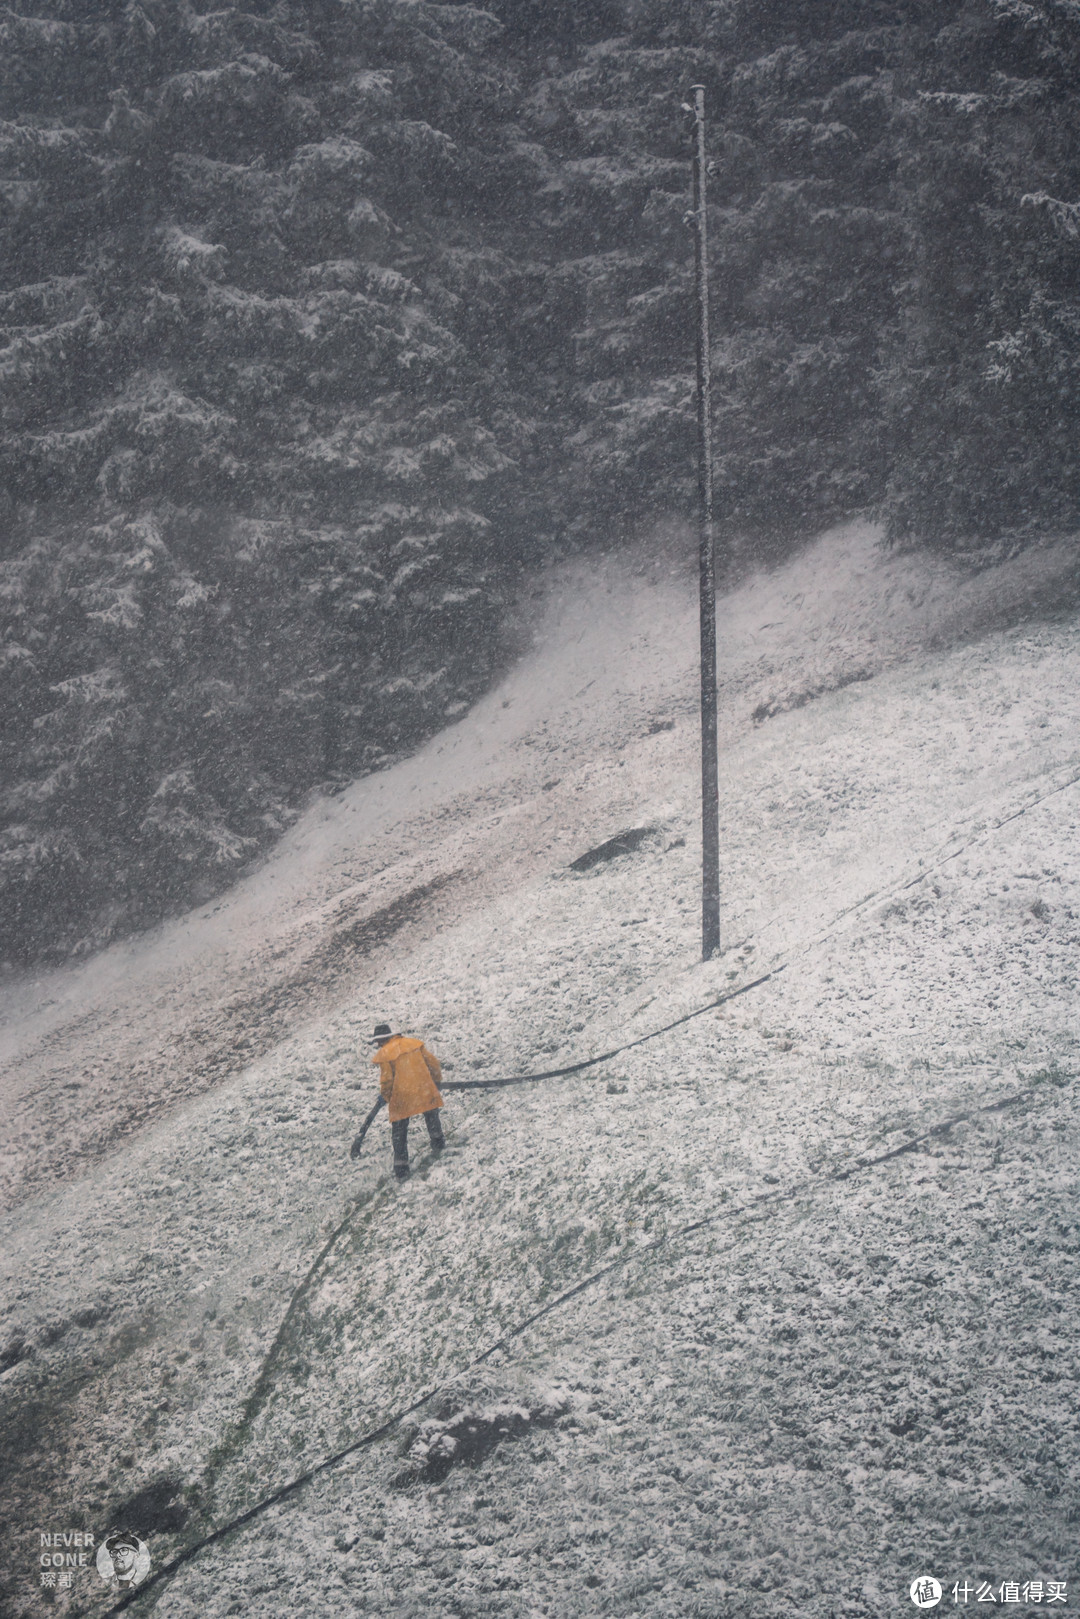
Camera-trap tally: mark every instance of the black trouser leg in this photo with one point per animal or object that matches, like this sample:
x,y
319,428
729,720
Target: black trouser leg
x,y
399,1135
434,1128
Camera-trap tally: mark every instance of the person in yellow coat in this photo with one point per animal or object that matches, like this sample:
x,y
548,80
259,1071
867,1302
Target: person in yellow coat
x,y
409,1076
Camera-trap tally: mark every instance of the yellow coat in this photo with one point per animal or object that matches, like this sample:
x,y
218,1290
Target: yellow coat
x,y
408,1077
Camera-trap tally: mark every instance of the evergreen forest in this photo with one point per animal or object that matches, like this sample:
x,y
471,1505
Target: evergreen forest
x,y
323,320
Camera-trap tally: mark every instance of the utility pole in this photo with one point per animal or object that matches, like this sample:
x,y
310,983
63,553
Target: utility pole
x,y
710,787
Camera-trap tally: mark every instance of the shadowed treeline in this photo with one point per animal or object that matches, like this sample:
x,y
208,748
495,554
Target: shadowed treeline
x,y
321,321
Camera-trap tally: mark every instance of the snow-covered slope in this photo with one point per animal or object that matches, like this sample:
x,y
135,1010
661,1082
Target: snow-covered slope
x,y
836,1349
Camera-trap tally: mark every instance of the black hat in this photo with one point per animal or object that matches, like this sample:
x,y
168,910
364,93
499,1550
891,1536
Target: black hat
x,y
123,1538
381,1033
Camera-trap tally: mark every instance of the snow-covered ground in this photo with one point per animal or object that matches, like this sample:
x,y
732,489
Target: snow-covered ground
x,y
836,1347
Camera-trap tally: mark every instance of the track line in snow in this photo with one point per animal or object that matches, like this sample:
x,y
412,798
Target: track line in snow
x,y
933,811
902,884
254,1401
1024,809
263,1381
763,1204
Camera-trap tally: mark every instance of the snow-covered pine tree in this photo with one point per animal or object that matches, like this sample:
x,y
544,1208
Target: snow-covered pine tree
x,y
318,316
804,235
251,461
984,391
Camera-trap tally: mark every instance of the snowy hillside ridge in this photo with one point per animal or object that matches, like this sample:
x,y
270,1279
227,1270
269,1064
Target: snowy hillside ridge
x,y
834,1344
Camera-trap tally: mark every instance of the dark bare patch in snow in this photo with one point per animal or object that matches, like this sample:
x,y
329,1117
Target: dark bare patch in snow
x,y
159,1509
466,1435
622,843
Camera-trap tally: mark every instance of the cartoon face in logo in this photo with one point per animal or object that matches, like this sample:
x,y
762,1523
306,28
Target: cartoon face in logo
x,y
123,1560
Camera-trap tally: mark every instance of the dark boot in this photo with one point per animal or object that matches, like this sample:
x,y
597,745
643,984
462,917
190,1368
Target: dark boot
x,y
434,1130
399,1135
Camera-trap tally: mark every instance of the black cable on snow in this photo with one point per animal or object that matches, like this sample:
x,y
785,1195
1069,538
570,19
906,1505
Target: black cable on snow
x,y
995,826
606,1056
756,1205
254,1399
879,895
315,1267
935,1132
570,1068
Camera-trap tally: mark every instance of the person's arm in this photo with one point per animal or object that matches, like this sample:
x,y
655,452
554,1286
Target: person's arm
x,y
386,1080
434,1066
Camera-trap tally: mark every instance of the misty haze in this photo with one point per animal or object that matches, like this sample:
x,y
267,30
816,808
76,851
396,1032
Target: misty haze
x,y
350,508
